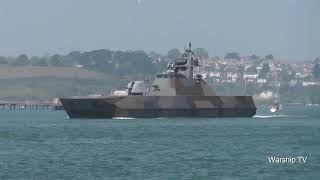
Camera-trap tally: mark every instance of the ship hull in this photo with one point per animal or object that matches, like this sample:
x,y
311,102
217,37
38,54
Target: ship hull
x,y
160,106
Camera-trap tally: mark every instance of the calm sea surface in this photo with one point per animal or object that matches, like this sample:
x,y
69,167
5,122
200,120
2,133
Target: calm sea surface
x,y
46,145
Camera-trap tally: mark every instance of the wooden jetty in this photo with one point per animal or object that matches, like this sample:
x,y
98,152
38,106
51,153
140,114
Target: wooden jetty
x,y
30,105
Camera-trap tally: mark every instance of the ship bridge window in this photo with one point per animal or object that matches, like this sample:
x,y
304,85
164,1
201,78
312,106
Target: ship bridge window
x,y
163,76
171,76
181,61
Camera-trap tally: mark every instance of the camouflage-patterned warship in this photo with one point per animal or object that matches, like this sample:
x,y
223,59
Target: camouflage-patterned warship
x,y
174,93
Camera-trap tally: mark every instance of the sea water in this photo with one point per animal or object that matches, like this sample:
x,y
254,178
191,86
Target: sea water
x,y
47,145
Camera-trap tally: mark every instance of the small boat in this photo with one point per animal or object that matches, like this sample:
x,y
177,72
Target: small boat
x,y
275,108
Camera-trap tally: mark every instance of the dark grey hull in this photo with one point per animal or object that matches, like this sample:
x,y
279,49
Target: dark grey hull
x,y
160,106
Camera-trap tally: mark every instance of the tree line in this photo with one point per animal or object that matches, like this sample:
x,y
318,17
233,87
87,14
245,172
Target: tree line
x,y
106,61
128,62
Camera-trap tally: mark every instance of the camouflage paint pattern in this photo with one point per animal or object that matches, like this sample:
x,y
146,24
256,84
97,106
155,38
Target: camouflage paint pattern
x,y
175,93
160,106
192,101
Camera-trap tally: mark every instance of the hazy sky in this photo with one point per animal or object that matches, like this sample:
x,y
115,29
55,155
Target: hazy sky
x,y
286,28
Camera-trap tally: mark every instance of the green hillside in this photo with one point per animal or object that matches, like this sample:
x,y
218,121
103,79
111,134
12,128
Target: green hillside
x,y
9,72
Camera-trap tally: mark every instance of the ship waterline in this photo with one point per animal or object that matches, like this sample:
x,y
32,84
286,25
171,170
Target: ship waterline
x,y
160,106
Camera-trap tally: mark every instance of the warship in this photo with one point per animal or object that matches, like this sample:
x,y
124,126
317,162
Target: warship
x,y
177,92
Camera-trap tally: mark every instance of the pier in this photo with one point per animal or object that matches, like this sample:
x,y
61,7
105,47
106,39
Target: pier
x,y
30,105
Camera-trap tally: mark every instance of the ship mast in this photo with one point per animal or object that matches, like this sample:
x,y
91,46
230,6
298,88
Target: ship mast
x,y
185,63
190,61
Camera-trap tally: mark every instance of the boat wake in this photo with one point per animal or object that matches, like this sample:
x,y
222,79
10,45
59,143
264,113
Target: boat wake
x,y
277,116
122,118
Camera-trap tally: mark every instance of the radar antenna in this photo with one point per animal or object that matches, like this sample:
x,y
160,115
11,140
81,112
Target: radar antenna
x,y
189,50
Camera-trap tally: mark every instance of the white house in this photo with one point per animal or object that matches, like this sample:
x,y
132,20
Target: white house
x,y
310,83
250,76
261,81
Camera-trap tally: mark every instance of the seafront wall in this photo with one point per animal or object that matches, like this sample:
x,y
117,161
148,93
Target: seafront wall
x,y
12,105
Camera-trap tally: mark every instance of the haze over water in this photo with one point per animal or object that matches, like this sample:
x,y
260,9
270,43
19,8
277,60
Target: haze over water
x,y
46,145
289,29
